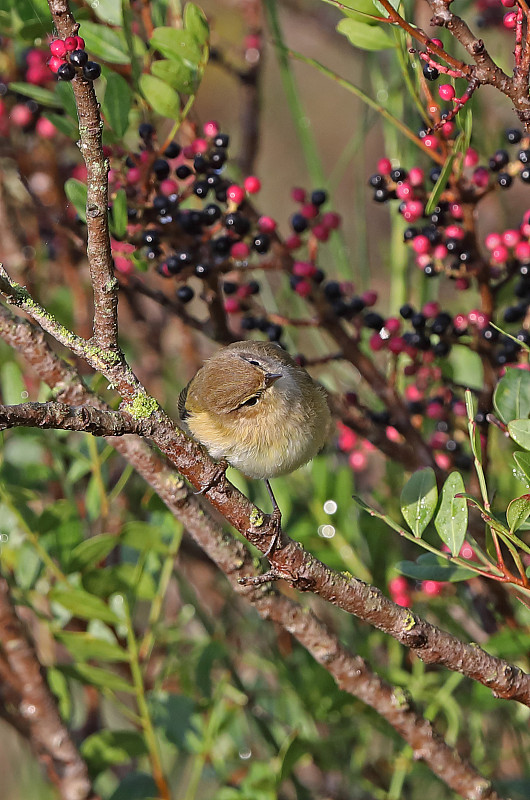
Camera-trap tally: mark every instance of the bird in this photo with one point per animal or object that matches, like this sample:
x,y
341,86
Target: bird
x,y
253,407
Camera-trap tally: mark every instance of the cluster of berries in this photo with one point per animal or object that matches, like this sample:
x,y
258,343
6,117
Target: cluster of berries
x,y
403,591
192,222
68,56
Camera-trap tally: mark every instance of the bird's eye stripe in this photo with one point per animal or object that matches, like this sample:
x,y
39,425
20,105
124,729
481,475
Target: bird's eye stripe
x,y
251,401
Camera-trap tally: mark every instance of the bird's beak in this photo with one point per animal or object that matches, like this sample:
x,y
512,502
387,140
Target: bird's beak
x,y
270,377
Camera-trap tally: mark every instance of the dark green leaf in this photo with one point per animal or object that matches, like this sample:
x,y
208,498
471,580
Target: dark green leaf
x,y
95,676
466,367
177,74
418,500
119,214
512,395
42,96
116,102
430,567
523,463
64,125
366,37
119,578
83,604
76,192
104,43
92,550
59,686
86,647
173,713
108,748
161,97
177,44
519,430
109,11
65,96
143,536
517,512
136,786
451,519
196,23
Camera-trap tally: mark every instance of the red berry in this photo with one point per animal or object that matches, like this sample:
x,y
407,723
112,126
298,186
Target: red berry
x,y
293,241
55,62
347,438
404,191
303,288
447,129
369,298
437,42
416,176
421,245
199,146
431,309
252,184
298,194
70,43
331,220
510,20
309,211
211,128
413,210
398,585
481,177
134,175
80,43
522,251
454,232
240,250
442,460
511,237
357,460
446,91
430,141
393,324
440,251
45,128
376,342
396,345
461,284
58,48
320,232
384,166
456,210
304,269
21,115
432,587
500,254
231,305
460,322
492,241
266,224
471,158
235,194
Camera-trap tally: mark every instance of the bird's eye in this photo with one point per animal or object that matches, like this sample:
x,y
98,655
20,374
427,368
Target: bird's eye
x,y
254,363
251,401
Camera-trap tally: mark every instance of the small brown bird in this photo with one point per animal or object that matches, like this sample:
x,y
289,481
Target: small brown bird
x,y
254,407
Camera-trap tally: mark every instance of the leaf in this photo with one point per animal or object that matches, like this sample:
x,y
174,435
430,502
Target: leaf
x,y
109,11
418,500
517,512
12,383
523,463
512,395
85,646
430,567
465,367
104,43
116,102
107,748
92,550
179,45
64,125
83,604
177,74
136,786
161,97
366,37
143,536
42,96
59,686
440,185
76,192
452,516
119,214
173,713
65,96
95,676
196,23
519,430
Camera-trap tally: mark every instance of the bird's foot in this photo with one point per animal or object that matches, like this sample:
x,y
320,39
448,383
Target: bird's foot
x,y
218,472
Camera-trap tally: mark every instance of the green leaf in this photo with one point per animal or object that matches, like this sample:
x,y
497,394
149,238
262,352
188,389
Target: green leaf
x,y
120,578
440,185
196,23
364,9
83,604
59,686
143,536
519,430
430,567
92,550
366,37
12,383
109,11
65,96
119,214
418,500
177,44
85,646
95,676
465,367
136,786
512,395
161,97
116,102
517,512
177,74
172,713
42,96
104,43
523,463
452,516
76,193
64,125
108,748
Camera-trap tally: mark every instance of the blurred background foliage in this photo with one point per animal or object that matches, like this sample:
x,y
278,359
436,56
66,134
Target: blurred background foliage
x,y
236,708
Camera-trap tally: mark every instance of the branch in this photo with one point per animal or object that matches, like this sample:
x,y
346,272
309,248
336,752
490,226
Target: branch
x,y
351,673
37,714
60,416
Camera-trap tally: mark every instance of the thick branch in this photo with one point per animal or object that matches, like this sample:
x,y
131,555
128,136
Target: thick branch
x,y
71,418
37,713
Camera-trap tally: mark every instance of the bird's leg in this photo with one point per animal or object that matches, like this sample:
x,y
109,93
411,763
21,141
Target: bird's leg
x,y
276,521
218,472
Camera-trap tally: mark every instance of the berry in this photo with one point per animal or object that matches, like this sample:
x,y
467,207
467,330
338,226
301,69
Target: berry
x,y
70,43
91,71
299,223
374,321
406,311
525,175
200,163
319,197
513,135
331,220
78,58
172,150
54,63
183,171
201,188
524,156
376,181
332,290
384,165
58,48
504,180
240,250
221,246
266,224
150,237
66,72
298,195
446,91
221,140
80,43
185,294
252,184
381,195
261,243
235,194
211,128
160,168
237,223
212,213
430,72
